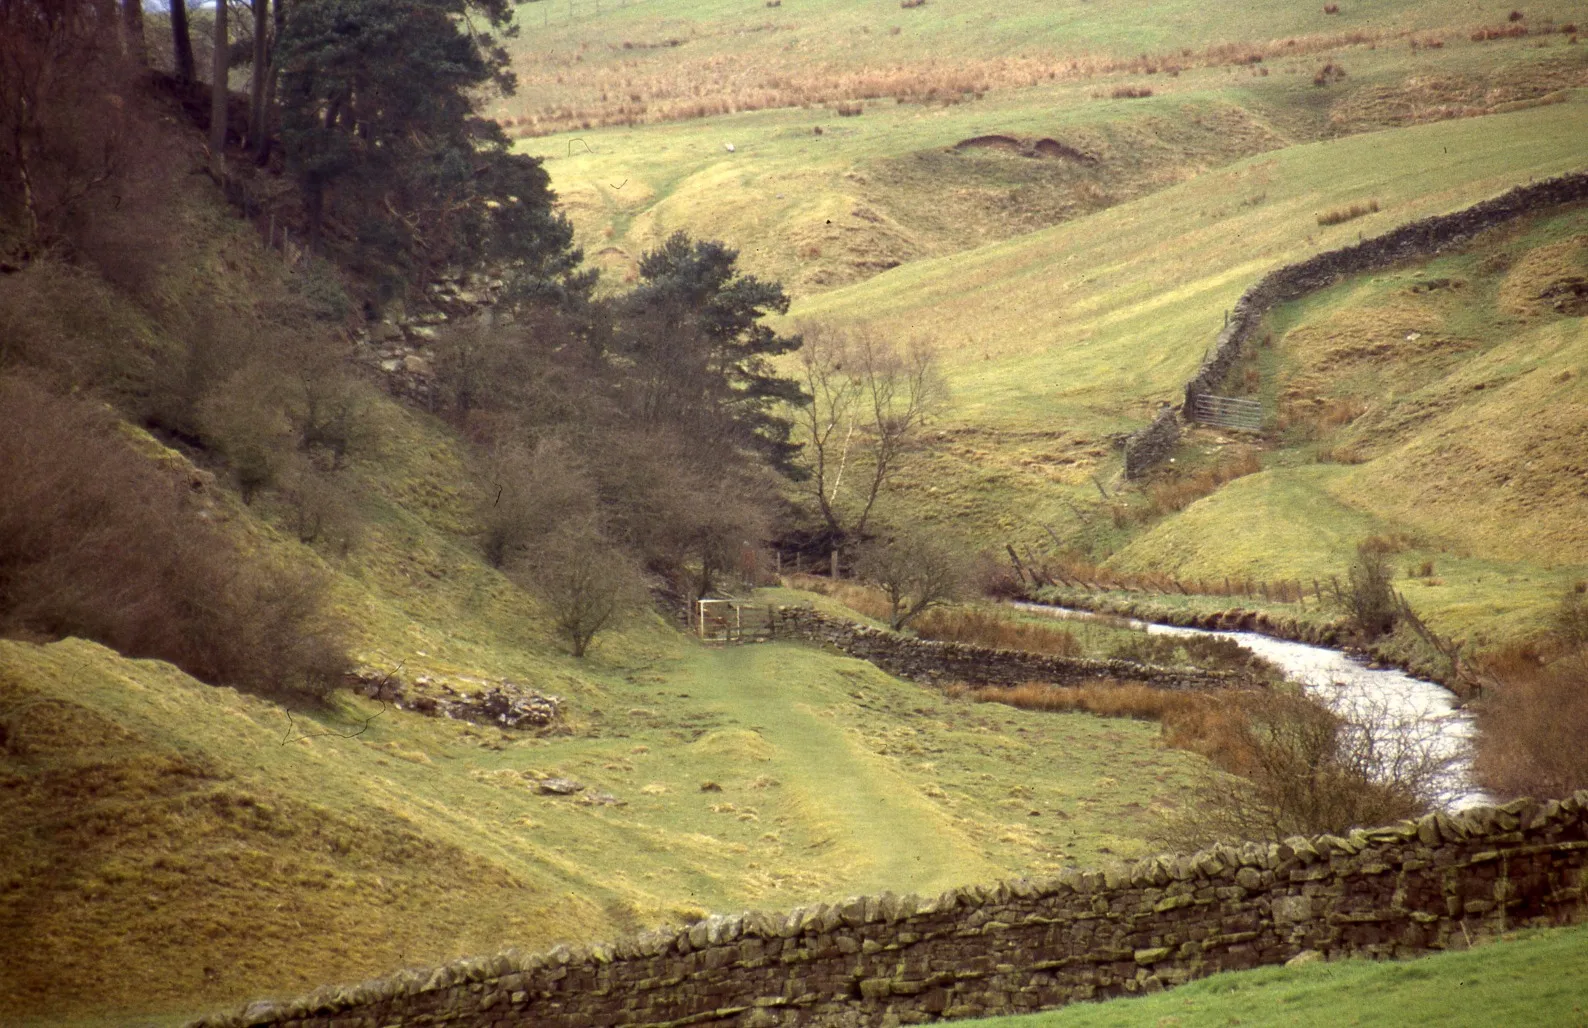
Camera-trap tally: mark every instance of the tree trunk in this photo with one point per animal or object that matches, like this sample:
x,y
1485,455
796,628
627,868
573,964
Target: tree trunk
x,y
181,42
132,26
221,68
258,135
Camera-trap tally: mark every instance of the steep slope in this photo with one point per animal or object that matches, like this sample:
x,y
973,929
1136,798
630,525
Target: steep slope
x,y
1441,406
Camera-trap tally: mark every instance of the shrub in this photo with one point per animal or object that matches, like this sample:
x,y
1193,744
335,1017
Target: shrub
x,y
585,583
96,542
530,495
70,328
1569,623
1531,727
243,419
319,509
1328,74
1292,767
1131,92
1370,598
849,109
915,569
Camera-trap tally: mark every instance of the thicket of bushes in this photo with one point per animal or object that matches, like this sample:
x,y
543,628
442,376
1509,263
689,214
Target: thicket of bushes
x,y
98,541
1280,764
1534,712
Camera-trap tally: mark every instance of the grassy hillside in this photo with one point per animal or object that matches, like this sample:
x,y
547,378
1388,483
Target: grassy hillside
x,y
170,845
1073,285
817,200
594,62
1536,979
1441,405
208,846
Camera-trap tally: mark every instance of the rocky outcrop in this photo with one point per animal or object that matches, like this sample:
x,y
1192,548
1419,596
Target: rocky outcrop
x,y
1015,946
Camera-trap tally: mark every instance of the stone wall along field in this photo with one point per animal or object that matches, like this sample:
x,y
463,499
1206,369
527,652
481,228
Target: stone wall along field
x,y
1414,240
1016,946
932,662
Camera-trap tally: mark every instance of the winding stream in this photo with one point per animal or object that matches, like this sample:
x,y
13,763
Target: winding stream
x,y
1419,715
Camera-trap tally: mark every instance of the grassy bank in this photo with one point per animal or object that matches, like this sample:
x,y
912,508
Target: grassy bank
x,y
1533,979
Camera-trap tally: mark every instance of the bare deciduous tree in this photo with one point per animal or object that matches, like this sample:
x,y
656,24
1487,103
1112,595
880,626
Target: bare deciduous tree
x,y
585,583
533,493
1295,767
869,399
219,70
915,569
66,128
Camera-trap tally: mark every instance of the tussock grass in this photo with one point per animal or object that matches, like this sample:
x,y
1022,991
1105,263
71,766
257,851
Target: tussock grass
x,y
1212,725
982,628
1351,212
865,600
1180,491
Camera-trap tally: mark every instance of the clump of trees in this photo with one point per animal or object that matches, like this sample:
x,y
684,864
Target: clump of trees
x,y
641,435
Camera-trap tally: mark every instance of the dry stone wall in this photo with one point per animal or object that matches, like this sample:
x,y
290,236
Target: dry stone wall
x,y
1418,239
1016,946
932,662
1154,444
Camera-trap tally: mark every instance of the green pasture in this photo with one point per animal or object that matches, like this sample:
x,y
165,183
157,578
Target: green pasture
x,y
1534,979
891,186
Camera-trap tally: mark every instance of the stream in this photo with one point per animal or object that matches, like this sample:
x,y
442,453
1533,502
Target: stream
x,y
1414,716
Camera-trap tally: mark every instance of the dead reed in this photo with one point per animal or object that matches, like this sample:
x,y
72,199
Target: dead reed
x,y
981,628
626,91
1181,491
1344,214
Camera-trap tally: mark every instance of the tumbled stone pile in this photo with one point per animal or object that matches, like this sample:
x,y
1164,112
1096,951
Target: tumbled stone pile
x,y
506,705
1016,946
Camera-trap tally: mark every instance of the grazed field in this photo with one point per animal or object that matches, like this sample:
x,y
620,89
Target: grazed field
x,y
588,63
817,200
1533,980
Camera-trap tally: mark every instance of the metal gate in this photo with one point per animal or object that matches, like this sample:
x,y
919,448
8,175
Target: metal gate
x,y
1228,412
730,621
